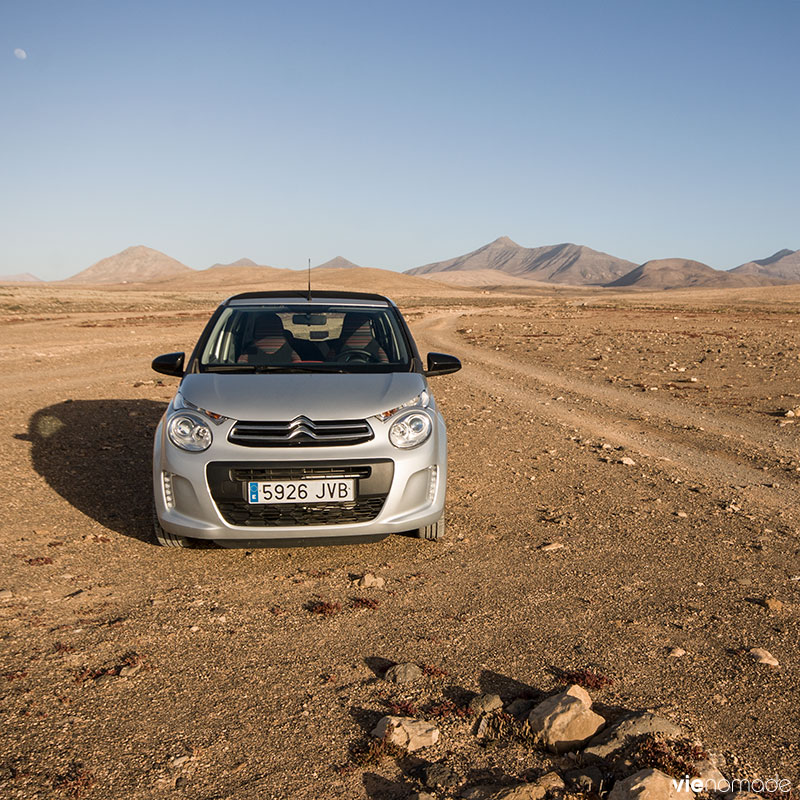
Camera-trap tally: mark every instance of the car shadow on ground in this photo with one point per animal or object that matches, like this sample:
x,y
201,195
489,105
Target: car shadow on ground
x,y
97,455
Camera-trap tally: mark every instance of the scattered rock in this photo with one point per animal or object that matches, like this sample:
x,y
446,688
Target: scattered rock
x,y
681,514
588,779
130,670
551,546
413,734
628,462
772,604
648,784
711,777
421,796
550,780
763,656
565,721
677,652
614,739
745,796
520,791
439,775
6,594
178,761
370,581
403,673
485,704
519,707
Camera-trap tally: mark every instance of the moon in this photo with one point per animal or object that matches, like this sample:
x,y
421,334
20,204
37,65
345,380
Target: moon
x,y
20,54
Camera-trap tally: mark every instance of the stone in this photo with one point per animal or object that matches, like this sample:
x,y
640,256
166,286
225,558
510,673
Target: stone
x,y
522,791
711,777
421,796
438,775
520,707
412,734
628,462
550,780
648,784
370,581
485,704
6,594
565,721
130,670
677,652
772,604
588,779
551,547
403,673
616,737
762,656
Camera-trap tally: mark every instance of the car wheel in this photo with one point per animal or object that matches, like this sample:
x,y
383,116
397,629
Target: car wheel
x,y
168,539
432,532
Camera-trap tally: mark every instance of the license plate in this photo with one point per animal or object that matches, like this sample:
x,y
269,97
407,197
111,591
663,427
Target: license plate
x,y
313,491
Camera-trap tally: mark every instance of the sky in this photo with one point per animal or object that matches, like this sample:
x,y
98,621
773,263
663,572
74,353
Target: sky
x,y
396,134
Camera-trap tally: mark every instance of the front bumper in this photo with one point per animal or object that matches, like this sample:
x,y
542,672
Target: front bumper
x,y
192,500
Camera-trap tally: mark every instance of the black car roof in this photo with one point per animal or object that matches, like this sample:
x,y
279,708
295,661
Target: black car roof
x,y
303,294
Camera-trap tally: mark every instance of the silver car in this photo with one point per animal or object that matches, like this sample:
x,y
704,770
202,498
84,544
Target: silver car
x,y
301,418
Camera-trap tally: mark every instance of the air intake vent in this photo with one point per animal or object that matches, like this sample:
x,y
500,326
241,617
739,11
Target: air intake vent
x,y
301,432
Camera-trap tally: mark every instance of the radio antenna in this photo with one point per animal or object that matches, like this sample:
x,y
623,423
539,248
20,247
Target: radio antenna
x,y
309,279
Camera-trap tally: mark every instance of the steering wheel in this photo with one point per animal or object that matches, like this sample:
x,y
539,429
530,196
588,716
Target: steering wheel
x,y
357,354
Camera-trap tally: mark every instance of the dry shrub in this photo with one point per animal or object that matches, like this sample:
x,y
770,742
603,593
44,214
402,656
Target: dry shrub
x,y
324,608
364,602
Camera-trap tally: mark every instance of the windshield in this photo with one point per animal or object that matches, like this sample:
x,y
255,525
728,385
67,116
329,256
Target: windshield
x,y
306,338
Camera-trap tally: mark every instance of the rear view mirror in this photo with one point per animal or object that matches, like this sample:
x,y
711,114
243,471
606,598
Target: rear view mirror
x,y
309,319
169,364
441,364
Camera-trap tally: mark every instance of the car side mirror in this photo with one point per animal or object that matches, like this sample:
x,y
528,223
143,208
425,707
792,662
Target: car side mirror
x,y
169,364
441,364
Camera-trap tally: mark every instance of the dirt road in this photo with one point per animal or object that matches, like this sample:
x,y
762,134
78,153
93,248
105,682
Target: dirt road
x,y
238,691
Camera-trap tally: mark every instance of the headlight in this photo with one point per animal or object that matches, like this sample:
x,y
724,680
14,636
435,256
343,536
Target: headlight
x,y
180,402
410,430
189,432
423,400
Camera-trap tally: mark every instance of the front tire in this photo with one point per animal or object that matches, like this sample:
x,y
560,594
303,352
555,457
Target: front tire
x,y
434,532
165,539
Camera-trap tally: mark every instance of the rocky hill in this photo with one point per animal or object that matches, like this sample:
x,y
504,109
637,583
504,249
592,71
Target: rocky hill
x,y
783,265
20,277
683,273
562,263
133,265
337,263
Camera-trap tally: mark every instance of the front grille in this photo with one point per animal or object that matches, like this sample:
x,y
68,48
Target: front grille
x,y
301,432
296,514
299,473
228,484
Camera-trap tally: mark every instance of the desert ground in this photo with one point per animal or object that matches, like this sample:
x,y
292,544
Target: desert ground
x,y
645,436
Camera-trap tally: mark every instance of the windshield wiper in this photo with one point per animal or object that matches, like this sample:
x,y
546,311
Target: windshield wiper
x,y
297,368
259,368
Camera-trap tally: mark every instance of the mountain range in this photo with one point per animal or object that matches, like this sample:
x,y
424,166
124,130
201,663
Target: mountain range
x,y
560,263
579,265
501,263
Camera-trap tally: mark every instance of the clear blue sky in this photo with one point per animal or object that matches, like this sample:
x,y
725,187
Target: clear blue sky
x,y
396,134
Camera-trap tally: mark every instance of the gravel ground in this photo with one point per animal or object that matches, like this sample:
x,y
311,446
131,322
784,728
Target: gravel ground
x,y
233,688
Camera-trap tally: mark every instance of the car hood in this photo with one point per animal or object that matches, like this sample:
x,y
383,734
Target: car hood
x,y
286,396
